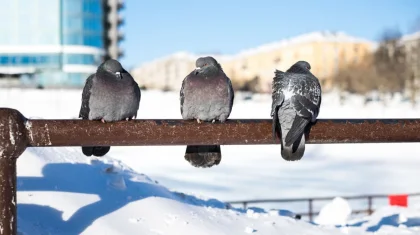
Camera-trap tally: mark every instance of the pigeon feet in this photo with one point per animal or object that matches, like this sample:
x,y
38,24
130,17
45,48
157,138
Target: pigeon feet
x,y
127,119
198,120
102,120
213,121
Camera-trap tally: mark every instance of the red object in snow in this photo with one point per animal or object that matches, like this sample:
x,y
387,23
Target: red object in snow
x,y
398,200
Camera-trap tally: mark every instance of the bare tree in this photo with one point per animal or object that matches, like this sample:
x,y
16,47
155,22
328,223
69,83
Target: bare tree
x,y
393,67
413,61
359,78
390,63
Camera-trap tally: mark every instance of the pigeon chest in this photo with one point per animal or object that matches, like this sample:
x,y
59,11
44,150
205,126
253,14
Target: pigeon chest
x,y
206,98
205,91
112,102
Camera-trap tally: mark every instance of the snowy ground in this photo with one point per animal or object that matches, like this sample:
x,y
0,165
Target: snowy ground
x,y
246,172
61,192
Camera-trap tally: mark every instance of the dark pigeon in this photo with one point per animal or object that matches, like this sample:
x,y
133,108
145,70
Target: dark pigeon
x,y
295,106
206,95
109,95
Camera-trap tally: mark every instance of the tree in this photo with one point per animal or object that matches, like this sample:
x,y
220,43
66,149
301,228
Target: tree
x,y
390,62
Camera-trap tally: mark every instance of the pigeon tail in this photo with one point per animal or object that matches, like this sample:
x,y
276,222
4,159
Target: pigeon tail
x,y
298,127
295,151
204,156
275,126
97,151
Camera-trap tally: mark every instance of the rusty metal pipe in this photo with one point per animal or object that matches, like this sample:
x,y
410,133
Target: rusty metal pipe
x,y
232,132
12,144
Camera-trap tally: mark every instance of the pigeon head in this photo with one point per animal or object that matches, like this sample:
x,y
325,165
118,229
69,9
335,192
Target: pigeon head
x,y
207,66
300,66
114,67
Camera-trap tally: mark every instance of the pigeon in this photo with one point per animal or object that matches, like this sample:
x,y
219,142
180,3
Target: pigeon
x,y
296,102
109,95
206,95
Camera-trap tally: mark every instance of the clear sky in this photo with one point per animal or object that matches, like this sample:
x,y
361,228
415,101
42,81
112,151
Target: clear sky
x,y
155,28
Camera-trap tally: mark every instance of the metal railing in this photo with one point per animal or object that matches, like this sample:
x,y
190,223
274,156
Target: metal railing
x,y
17,133
310,213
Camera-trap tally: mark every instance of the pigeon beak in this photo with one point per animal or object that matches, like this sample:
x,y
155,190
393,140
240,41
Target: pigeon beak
x,y
119,76
197,70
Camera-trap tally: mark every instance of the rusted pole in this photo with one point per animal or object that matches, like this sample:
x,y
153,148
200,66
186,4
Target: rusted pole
x,y
232,132
370,199
12,144
311,211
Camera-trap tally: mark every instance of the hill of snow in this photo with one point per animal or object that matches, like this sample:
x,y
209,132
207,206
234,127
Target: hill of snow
x,y
60,191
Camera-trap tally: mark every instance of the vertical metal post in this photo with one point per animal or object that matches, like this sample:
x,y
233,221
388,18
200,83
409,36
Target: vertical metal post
x,y
370,199
310,209
13,142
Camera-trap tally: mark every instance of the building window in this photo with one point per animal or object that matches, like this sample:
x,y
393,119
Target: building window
x,y
82,23
85,59
30,60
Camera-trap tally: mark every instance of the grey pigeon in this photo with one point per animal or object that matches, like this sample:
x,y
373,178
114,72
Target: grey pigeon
x,y
295,106
109,95
206,95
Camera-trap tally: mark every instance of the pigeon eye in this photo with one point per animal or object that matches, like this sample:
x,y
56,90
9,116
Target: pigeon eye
x,y
205,64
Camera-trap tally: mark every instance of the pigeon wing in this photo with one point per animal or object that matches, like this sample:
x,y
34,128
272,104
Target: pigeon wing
x,y
182,94
277,100
84,109
231,92
305,101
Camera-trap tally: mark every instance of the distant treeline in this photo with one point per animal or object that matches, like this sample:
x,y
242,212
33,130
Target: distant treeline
x,y
393,67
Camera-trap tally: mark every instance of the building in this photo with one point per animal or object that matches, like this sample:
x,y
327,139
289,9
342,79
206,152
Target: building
x,y
168,72
165,73
327,52
112,34
57,43
411,44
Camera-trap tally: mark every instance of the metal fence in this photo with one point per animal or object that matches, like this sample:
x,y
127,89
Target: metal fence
x,y
310,213
17,133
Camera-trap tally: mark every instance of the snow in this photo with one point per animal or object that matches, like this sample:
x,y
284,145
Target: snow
x,y
60,191
411,37
336,212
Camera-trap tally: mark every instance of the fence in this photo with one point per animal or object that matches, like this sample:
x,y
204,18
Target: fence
x,y
17,133
310,213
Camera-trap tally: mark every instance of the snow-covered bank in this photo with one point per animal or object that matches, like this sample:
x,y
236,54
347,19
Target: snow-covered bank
x,y
60,191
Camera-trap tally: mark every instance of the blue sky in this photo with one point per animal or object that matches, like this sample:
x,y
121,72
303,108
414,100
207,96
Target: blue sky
x,y
156,28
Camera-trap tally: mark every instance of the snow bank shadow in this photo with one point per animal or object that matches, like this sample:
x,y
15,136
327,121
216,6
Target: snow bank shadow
x,y
114,186
395,221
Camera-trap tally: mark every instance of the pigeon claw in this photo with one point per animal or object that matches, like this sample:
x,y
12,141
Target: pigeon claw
x,y
198,120
127,119
102,120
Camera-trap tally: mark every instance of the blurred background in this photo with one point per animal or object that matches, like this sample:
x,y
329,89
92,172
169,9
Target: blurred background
x,y
354,46
365,53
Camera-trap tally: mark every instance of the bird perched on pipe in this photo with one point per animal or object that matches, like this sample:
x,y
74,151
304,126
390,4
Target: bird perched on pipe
x,y
109,95
206,95
296,102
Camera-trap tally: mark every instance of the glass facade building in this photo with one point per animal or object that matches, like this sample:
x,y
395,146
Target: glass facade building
x,y
53,43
